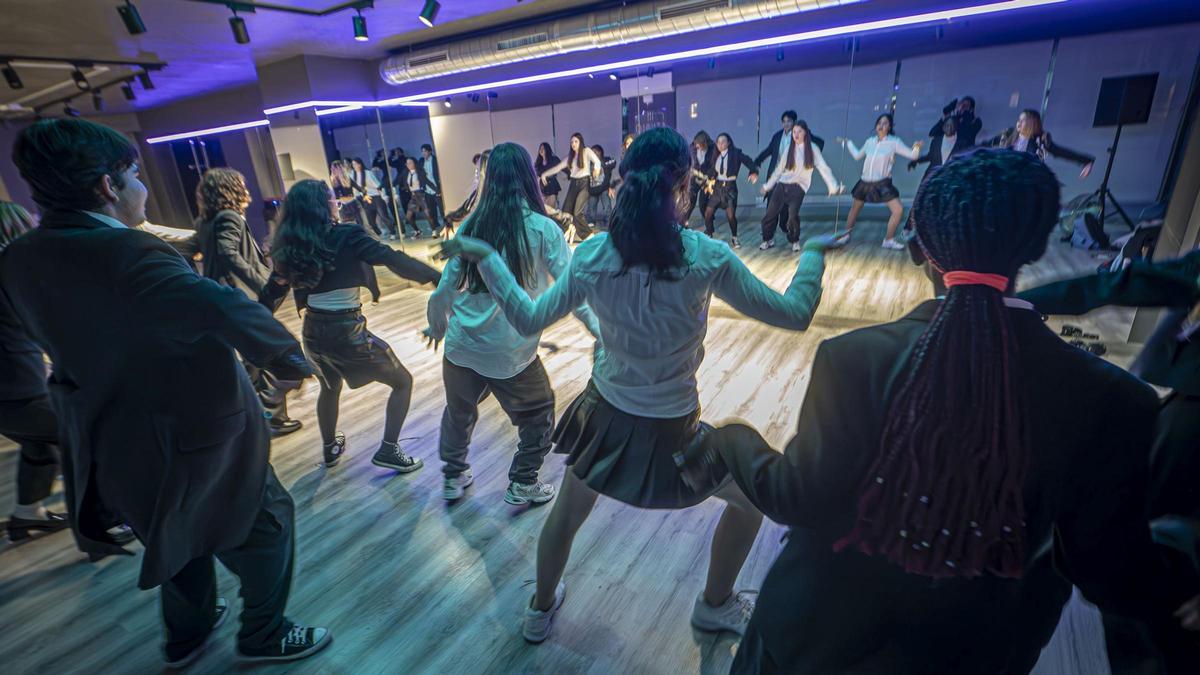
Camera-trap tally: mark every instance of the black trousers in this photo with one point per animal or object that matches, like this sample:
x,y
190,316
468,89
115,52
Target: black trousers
x,y
370,212
575,203
423,204
724,196
526,398
696,197
786,198
384,217
263,564
32,424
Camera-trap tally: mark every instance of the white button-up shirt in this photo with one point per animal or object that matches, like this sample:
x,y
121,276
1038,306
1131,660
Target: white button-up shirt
x,y
652,328
880,156
799,175
108,220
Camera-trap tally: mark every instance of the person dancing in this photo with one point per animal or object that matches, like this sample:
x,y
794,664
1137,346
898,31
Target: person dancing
x,y
550,187
699,188
422,199
583,165
726,165
484,353
325,263
939,501
649,280
789,184
1030,136
875,186
460,214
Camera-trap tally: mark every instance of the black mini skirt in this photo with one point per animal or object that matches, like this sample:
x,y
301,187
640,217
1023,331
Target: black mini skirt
x,y
341,348
875,192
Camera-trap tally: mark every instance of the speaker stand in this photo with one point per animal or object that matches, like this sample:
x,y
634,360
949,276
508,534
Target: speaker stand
x,y
1104,195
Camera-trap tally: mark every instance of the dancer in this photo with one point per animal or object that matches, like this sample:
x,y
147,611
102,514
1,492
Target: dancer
x,y
343,191
368,194
325,263
649,281
966,124
583,165
949,143
777,149
484,353
601,193
433,176
789,184
699,187
618,179
875,186
422,198
723,184
937,501
550,187
1030,136
231,257
157,416
458,215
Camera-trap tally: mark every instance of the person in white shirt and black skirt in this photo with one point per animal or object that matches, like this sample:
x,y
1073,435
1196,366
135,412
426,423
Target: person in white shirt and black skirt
x,y
790,182
325,263
649,281
875,186
484,353
726,165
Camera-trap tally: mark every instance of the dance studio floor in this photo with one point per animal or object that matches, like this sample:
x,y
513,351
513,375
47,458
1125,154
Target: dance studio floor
x,y
409,584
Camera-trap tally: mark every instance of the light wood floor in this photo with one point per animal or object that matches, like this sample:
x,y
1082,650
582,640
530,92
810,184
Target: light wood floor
x,y
410,585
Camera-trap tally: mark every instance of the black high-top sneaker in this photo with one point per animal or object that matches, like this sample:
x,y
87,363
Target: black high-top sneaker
x,y
390,456
333,451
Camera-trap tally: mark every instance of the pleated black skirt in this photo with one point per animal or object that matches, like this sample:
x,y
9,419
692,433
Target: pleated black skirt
x,y
875,192
630,458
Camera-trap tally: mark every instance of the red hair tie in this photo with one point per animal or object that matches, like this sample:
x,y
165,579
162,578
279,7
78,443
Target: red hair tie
x,y
961,278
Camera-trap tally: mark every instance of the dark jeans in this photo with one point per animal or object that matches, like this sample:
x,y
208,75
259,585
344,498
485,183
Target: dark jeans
x,y
32,424
575,203
786,198
527,399
263,563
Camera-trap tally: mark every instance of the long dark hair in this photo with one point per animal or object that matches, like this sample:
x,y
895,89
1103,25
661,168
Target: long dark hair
x,y
943,496
808,148
544,153
701,138
644,226
577,157
299,249
891,124
509,186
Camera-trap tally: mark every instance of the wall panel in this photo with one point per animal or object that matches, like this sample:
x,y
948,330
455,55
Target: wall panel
x,y
455,139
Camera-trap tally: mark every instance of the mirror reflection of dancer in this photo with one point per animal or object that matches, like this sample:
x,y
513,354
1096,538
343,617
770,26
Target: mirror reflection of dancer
x,y
325,263
460,214
422,199
702,160
790,182
583,165
339,179
550,187
649,282
484,353
1030,136
722,185
875,186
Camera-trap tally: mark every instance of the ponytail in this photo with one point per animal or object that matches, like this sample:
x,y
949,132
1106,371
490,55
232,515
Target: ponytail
x,y
644,226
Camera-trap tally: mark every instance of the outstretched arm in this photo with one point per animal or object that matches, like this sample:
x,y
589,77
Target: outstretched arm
x,y
527,316
738,286
855,152
562,164
558,263
371,251
1173,283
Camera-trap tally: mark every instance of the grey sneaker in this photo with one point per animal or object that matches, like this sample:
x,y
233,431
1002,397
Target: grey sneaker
x,y
732,616
766,245
521,493
795,247
537,623
454,488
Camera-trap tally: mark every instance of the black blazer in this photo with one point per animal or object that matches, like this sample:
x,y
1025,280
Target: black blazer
x,y
355,254
434,181
1084,494
1165,360
704,167
422,180
933,156
21,361
772,150
156,412
737,159
1041,146
969,125
231,255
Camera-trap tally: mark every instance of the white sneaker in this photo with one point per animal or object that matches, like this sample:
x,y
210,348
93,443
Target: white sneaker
x,y
736,243
766,245
536,627
795,247
521,493
893,245
453,488
732,616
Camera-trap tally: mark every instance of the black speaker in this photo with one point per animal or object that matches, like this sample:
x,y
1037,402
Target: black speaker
x,y
1125,100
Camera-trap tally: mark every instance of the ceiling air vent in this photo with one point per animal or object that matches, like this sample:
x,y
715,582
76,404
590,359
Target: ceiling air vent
x,y
428,59
524,41
681,9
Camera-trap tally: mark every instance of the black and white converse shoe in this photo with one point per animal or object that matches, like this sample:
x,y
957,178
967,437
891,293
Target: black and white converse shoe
x,y
389,456
181,662
300,642
333,451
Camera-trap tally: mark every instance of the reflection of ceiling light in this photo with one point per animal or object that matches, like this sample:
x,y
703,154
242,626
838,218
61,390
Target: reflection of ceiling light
x,y
360,27
207,132
80,81
446,102
612,76
429,12
127,90
144,78
14,80
238,25
131,17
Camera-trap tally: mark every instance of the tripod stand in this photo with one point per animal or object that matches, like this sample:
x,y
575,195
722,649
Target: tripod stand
x,y
1104,195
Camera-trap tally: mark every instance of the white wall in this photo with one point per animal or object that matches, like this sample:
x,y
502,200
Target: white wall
x,y
303,144
456,138
527,127
598,119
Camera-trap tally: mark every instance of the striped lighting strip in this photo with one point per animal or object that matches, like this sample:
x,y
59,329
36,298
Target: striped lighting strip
x,y
207,132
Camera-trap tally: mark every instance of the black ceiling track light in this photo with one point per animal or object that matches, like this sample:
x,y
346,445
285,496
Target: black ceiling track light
x,y
429,12
127,91
242,35
81,81
137,70
97,101
14,80
132,18
144,78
